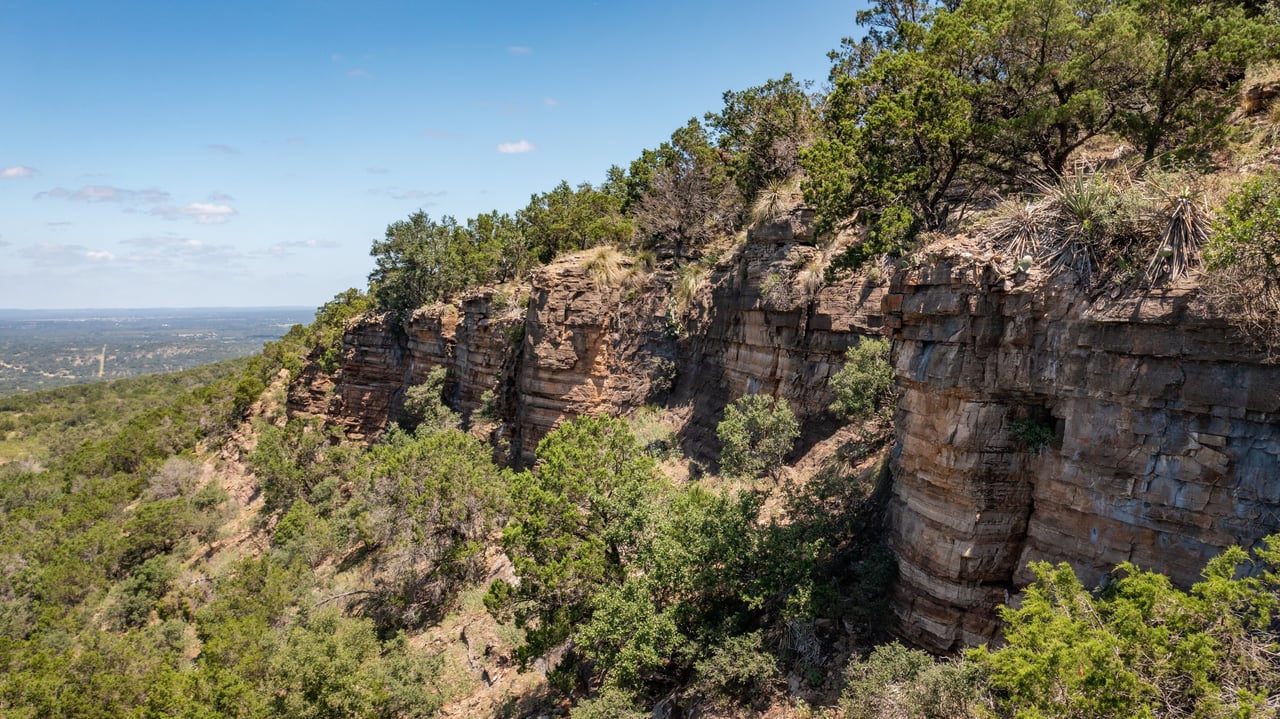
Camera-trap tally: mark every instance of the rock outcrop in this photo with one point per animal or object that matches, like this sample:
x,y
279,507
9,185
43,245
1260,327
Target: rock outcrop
x,y
583,342
1037,423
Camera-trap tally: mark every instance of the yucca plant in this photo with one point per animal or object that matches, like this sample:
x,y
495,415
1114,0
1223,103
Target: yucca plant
x,y
1185,233
1087,212
773,200
1025,229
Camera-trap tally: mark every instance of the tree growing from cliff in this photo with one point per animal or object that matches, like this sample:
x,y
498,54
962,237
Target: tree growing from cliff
x,y
422,260
864,386
424,404
762,130
568,219
756,433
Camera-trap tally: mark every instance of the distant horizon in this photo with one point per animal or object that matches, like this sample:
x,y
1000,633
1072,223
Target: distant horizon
x,y
158,309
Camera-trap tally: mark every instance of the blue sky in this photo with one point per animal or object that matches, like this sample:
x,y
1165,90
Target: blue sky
x,y
169,154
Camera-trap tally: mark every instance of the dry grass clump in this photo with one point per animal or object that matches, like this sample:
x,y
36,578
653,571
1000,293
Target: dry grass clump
x,y
1250,300
813,276
607,266
690,277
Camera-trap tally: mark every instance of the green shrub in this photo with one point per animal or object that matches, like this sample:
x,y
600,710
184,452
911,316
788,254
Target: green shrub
x,y
1032,435
611,703
1141,647
1243,255
898,682
864,386
1248,226
424,403
756,433
739,669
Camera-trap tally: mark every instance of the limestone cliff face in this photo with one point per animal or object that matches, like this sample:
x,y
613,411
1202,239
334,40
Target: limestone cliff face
x,y
592,345
383,356
1165,441
756,328
1163,431
583,343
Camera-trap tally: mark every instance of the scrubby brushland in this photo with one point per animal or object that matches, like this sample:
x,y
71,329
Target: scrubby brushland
x,y
181,546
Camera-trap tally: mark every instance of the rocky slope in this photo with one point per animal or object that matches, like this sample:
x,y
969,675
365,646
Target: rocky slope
x,y
1163,431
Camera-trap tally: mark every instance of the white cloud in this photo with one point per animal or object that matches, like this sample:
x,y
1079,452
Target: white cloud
x,y
107,193
520,50
434,133
169,249
513,148
204,213
550,101
52,254
414,194
17,171
357,72
224,149
284,249
376,170
220,197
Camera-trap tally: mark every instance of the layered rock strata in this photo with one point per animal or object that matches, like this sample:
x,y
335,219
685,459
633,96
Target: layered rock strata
x,y
1037,423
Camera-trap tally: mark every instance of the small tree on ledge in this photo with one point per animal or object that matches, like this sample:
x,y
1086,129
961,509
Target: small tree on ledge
x,y
756,433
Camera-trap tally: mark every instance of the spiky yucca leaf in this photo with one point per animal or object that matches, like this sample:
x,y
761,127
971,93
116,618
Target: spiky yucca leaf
x,y
1185,232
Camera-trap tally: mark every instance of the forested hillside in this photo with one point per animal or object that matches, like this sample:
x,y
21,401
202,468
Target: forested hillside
x,y
188,545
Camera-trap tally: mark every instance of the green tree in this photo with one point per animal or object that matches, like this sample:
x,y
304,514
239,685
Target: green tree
x,y
502,232
684,196
578,518
864,385
1140,647
1047,75
334,667
331,323
432,501
1199,52
421,260
568,219
424,403
890,25
898,137
756,433
762,129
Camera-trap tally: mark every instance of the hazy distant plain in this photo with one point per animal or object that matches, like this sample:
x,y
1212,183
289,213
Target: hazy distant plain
x,y
42,349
